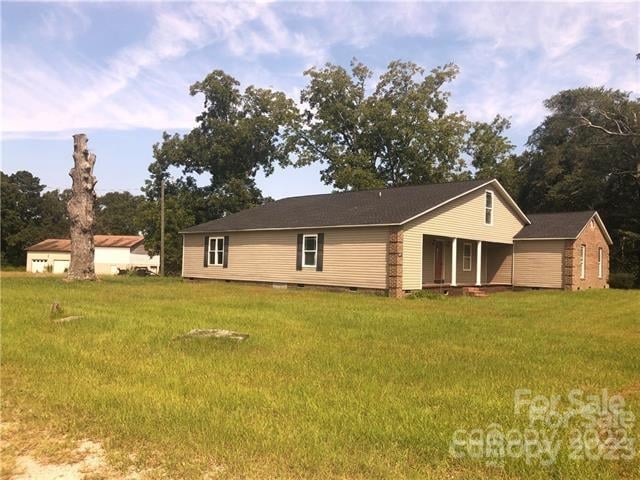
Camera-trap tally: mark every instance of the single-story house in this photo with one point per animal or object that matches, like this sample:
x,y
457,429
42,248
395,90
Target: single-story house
x,y
112,252
449,235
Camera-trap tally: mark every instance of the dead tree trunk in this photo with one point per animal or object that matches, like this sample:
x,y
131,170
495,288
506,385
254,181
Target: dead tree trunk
x,y
81,211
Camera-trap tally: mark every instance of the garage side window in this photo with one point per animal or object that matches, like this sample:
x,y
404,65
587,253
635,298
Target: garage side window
x,y
583,255
216,250
599,262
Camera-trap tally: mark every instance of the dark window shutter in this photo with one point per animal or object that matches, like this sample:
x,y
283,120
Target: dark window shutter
x,y
206,251
320,252
299,253
225,261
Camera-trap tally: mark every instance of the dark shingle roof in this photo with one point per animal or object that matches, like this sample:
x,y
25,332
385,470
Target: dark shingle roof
x,y
64,244
389,206
555,225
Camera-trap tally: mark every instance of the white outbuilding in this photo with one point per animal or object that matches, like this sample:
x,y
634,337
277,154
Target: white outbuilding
x,y
112,253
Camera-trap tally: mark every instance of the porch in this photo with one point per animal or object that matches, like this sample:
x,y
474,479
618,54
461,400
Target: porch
x,y
457,262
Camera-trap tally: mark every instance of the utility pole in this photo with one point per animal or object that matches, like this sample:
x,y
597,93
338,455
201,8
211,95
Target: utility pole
x,y
162,226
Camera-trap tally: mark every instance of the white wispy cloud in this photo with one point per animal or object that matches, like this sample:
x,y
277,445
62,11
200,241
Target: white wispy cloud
x,y
521,54
65,21
512,56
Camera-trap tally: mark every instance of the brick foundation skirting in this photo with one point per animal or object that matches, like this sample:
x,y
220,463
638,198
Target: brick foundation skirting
x,y
293,286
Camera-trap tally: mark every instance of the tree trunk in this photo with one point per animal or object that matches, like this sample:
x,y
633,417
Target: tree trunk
x,y
81,211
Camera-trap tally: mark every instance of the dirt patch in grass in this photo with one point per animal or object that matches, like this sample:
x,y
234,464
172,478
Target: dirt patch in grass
x,y
26,454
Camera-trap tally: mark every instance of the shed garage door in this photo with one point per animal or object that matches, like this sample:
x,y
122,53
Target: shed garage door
x,y
60,266
38,266
538,263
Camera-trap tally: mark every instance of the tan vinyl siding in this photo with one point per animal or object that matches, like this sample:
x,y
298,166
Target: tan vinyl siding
x,y
464,219
538,263
499,263
353,257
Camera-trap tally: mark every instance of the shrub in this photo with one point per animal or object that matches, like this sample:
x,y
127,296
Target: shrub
x,y
429,295
621,280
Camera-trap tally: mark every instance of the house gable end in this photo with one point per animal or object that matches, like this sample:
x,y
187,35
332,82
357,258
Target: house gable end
x,y
462,218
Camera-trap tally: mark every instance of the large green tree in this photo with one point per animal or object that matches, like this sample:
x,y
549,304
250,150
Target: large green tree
x,y
119,213
54,220
491,153
237,135
399,132
20,211
29,215
586,155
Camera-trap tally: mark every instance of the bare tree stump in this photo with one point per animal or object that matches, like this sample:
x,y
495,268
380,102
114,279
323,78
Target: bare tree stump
x,y
81,211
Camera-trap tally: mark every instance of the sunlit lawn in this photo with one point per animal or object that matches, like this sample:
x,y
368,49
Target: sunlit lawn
x,y
327,385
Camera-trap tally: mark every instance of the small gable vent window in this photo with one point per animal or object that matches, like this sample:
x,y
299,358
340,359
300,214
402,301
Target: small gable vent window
x,y
488,207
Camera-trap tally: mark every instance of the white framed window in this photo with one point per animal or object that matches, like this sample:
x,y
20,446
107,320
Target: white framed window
x,y
488,207
583,256
309,250
216,251
599,262
467,257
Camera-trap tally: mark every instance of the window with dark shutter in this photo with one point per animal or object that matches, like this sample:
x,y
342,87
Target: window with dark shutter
x,y
299,252
206,251
320,253
225,261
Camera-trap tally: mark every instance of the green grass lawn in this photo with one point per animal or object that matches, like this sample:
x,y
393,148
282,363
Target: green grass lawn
x,y
327,385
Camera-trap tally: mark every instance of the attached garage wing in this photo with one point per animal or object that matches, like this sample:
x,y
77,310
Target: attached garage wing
x,y
538,263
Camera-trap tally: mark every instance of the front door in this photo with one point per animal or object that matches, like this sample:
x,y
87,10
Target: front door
x,y
438,263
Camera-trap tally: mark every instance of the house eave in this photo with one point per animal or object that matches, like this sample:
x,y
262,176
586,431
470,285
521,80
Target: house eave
x,y
543,238
269,229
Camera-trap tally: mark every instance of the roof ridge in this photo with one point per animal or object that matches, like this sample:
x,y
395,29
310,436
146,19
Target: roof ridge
x,y
563,213
395,187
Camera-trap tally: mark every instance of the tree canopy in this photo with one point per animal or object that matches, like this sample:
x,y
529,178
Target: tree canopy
x,y
238,134
118,213
401,133
586,155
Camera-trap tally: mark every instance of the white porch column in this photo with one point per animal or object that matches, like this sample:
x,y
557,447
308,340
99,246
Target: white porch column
x,y
479,263
454,263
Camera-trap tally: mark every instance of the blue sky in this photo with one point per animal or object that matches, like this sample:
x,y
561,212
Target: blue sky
x,y
120,71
